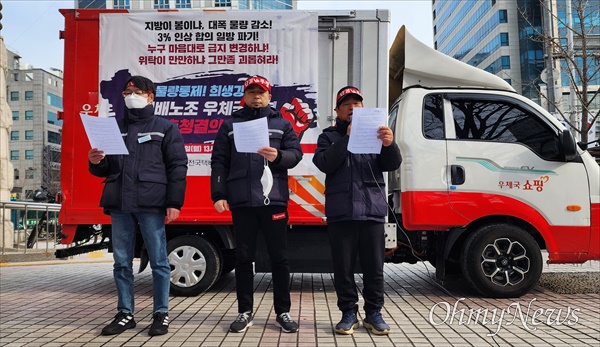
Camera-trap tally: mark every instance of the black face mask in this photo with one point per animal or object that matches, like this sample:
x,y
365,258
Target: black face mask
x,y
342,125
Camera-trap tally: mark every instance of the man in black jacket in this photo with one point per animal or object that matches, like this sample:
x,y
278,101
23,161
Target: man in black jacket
x,y
139,190
240,182
356,207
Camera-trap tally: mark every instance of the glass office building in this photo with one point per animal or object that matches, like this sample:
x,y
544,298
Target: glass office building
x,y
500,36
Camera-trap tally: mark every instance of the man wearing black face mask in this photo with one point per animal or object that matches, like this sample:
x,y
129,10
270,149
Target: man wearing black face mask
x,y
239,182
145,188
356,207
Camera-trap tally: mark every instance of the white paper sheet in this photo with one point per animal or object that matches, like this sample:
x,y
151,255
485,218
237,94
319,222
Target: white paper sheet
x,y
104,134
363,135
251,136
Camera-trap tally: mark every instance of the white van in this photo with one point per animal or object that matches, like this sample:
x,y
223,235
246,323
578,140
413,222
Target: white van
x,y
488,177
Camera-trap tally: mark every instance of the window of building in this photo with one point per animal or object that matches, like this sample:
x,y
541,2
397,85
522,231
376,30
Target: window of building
x,y
16,64
16,76
435,30
29,95
508,80
29,174
49,81
28,194
505,62
433,14
16,174
502,121
493,2
14,96
14,135
222,3
15,115
14,155
183,4
29,115
53,137
158,4
503,39
53,118
55,100
28,134
121,4
503,15
29,154
91,4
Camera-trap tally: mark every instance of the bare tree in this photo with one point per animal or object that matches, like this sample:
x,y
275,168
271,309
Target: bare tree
x,y
574,47
51,168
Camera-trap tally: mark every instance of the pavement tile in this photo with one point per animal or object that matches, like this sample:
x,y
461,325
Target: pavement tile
x,y
70,309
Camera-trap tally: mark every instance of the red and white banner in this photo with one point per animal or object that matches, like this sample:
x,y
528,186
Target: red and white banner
x,y
199,62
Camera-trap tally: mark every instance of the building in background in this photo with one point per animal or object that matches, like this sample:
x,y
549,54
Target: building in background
x,y
6,167
499,36
180,4
485,34
35,100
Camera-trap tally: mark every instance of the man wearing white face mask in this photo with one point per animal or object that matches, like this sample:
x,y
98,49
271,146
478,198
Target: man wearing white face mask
x,y
145,188
255,188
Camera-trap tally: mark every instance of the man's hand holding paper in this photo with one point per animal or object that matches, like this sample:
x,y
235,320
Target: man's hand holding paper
x,y
104,134
369,131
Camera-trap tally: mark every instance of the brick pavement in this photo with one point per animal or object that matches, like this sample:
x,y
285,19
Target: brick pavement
x,y
68,303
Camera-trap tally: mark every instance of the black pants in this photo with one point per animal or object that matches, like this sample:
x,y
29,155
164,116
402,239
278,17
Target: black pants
x,y
366,238
272,222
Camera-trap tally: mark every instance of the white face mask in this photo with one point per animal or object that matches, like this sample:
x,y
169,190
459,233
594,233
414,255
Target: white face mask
x,y
135,101
267,182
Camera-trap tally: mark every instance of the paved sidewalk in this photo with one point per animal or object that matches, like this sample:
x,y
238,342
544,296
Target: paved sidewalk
x,y
68,303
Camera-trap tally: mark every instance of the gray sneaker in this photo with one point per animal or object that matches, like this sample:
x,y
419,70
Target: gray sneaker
x,y
241,323
285,322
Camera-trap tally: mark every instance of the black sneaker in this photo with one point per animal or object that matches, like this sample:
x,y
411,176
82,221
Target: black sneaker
x,y
160,324
285,322
122,322
242,322
375,324
348,323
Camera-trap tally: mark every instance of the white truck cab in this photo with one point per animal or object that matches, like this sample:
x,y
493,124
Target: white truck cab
x,y
488,177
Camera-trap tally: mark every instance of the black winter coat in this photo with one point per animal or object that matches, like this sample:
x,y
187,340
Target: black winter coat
x,y
235,176
153,176
354,184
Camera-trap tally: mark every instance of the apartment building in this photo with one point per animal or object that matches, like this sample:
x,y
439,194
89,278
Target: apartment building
x,y
35,100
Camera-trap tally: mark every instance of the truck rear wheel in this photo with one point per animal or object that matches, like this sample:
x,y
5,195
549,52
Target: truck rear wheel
x,y
195,265
501,261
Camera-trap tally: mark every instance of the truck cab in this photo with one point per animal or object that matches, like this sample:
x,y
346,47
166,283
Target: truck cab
x,y
488,177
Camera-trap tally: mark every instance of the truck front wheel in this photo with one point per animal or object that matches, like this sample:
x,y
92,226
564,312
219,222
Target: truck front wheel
x,y
195,265
501,261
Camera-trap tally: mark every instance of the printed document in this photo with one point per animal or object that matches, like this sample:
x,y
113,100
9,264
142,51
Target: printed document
x,y
104,134
363,135
251,136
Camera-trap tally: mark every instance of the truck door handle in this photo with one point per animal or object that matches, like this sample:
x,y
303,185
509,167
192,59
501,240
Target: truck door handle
x,y
457,174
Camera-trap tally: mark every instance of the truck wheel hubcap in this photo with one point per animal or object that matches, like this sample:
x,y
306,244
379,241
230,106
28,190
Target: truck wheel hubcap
x,y
188,266
505,262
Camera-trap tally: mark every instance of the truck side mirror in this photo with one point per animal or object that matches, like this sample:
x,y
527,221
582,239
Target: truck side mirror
x,y
569,147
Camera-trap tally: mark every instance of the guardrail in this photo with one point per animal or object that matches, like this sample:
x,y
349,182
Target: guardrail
x,y
27,218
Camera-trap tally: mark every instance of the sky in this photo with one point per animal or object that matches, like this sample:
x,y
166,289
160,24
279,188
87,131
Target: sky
x,y
31,27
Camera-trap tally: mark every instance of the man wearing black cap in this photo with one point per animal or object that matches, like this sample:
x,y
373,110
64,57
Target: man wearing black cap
x,y
356,207
254,186
139,191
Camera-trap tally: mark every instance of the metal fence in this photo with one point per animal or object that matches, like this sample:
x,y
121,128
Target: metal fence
x,y
35,227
